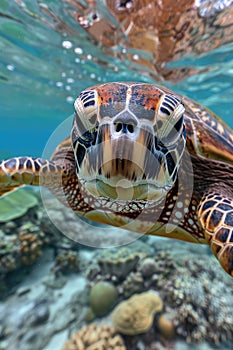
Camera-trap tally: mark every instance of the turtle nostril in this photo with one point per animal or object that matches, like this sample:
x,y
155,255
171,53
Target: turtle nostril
x,y
125,123
118,127
130,128
124,127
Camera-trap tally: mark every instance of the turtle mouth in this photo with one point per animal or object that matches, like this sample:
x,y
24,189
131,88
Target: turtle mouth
x,y
124,190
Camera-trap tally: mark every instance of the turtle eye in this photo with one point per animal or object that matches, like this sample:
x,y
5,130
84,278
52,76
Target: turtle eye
x,y
86,108
170,119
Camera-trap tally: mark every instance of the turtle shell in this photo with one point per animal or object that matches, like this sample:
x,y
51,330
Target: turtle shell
x,y
207,135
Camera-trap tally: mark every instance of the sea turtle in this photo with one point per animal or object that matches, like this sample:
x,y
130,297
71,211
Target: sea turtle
x,y
143,158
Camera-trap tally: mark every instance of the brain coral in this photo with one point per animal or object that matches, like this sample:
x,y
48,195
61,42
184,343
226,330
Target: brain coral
x,y
136,315
94,337
102,297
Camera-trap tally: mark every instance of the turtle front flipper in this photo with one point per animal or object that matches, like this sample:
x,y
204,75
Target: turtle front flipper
x,y
216,217
20,171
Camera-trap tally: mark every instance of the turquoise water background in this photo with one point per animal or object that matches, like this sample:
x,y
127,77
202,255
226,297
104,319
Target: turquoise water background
x,y
42,70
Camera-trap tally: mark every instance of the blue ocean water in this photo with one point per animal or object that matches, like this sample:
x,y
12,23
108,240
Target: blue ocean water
x,y
46,60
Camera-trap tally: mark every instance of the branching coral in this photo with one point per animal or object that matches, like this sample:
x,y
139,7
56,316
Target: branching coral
x,y
95,337
31,244
66,261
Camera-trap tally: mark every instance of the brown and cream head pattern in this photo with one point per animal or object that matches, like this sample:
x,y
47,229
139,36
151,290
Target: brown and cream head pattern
x,y
128,140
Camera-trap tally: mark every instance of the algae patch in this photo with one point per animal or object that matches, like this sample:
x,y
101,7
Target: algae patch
x,y
16,204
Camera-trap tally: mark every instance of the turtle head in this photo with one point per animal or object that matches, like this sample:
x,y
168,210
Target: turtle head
x,y
128,140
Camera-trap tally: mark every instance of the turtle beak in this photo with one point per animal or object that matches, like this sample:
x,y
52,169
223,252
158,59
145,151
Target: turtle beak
x,y
123,163
127,158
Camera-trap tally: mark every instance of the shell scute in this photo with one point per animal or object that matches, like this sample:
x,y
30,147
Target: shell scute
x,y
207,135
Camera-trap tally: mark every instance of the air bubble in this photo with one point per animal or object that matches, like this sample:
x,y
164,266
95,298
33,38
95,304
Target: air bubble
x,y
69,99
135,57
78,51
10,67
67,44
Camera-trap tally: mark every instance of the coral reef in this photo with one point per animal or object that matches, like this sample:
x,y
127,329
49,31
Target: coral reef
x,y
95,337
202,297
120,267
197,305
10,256
143,272
133,283
31,241
24,246
103,296
148,267
118,263
136,315
66,261
197,297
165,264
20,243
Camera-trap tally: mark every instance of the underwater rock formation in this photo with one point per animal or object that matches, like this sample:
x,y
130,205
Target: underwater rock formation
x,y
136,315
95,337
